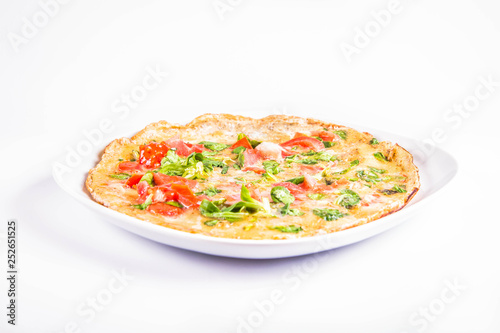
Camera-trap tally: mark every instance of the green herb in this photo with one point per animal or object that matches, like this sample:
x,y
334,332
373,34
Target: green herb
x,y
209,209
120,159
353,179
285,210
282,194
341,134
395,189
207,153
328,214
374,141
195,166
214,146
146,203
318,138
316,196
329,144
296,181
241,159
308,161
351,165
148,177
309,153
271,167
370,177
135,155
254,143
348,198
211,223
236,166
174,203
379,156
121,176
287,228
211,191
238,150
224,170
377,170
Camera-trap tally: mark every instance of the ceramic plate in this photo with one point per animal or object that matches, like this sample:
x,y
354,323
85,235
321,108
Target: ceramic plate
x,y
436,171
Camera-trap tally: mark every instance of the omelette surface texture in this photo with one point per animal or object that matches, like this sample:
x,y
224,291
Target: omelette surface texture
x,y
278,177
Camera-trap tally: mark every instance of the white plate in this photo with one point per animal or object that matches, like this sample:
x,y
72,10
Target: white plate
x,y
436,170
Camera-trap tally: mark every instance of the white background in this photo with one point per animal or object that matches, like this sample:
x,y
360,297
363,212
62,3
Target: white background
x,y
258,58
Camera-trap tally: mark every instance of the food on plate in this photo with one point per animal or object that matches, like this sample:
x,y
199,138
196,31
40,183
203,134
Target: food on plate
x,y
230,176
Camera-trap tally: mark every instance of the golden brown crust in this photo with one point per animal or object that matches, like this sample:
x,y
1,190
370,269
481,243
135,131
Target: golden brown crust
x,y
224,128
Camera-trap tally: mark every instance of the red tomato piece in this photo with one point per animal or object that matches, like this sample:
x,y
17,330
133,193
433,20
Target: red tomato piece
x,y
306,142
152,154
243,142
164,209
185,196
299,135
326,136
134,180
164,193
254,169
161,179
130,166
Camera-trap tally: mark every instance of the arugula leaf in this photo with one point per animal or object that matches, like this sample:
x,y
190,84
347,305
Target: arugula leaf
x,y
238,150
195,171
285,210
377,170
374,141
379,156
371,177
395,189
148,177
214,146
341,134
175,204
296,181
254,143
329,144
316,196
351,165
146,203
271,167
348,198
241,159
308,161
135,155
328,214
400,189
121,176
209,209
287,228
225,169
211,223
282,194
211,191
